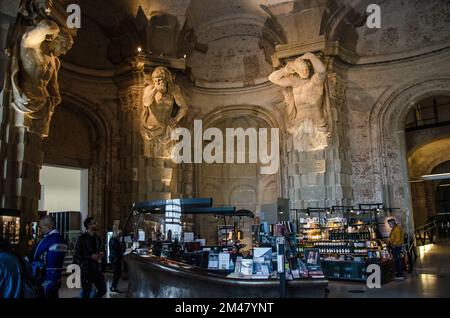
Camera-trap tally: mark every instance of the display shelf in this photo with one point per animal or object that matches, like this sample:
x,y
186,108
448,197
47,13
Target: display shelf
x,y
338,240
353,239
322,227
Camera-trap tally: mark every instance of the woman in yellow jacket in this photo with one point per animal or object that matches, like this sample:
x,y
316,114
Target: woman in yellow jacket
x,y
396,241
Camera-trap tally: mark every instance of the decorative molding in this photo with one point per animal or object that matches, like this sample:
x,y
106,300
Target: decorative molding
x,y
333,48
352,58
233,18
172,63
295,49
230,85
232,90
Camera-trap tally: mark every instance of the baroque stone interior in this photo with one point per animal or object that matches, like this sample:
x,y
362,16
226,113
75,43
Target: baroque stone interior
x,y
220,55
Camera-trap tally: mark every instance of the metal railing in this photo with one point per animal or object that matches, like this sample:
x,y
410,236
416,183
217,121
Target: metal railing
x,y
426,233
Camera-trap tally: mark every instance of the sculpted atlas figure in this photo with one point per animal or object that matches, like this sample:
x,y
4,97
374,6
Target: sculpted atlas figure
x,y
34,71
306,109
161,116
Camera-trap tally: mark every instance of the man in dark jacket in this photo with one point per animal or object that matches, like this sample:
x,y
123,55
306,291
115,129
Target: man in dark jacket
x,y
89,253
115,256
48,258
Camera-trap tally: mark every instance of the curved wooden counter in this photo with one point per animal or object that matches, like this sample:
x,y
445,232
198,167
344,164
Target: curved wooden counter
x,y
152,277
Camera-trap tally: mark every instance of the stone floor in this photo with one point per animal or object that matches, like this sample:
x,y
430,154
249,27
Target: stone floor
x,y
66,292
430,278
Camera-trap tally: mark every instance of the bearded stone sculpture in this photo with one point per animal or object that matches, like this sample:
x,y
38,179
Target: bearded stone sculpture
x,y
161,116
307,104
34,73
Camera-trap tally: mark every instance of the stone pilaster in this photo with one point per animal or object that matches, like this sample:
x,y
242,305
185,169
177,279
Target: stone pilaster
x,y
21,151
129,79
21,155
321,178
141,178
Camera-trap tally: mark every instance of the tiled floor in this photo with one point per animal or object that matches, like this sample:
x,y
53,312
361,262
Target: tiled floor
x,y
66,292
430,278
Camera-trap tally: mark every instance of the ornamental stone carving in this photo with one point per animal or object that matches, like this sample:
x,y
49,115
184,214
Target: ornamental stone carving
x,y
307,101
34,68
164,107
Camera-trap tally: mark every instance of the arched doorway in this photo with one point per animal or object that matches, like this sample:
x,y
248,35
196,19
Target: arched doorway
x,y
239,184
428,148
427,168
78,141
388,124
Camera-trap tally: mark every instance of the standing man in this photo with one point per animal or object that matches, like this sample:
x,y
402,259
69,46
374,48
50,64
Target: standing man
x,y
116,255
89,253
48,258
396,242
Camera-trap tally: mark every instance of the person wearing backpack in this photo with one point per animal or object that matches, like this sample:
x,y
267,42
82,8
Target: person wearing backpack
x,y
48,259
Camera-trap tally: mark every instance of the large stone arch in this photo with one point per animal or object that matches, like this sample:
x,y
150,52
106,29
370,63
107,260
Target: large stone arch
x,y
388,154
266,116
101,163
250,181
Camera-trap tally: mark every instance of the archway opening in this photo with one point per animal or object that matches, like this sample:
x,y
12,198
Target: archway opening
x,y
428,151
66,176
241,185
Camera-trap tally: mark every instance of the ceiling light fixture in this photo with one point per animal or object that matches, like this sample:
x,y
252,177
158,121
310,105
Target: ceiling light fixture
x,y
437,176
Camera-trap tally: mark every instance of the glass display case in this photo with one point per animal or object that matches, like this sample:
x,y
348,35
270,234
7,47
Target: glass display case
x,y
10,225
9,228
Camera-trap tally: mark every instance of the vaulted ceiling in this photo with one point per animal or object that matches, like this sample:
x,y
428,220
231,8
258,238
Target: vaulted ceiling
x,y
233,40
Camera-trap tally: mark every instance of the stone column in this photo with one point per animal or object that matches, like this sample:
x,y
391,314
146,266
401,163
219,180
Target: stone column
x,y
21,148
142,177
6,22
321,178
129,79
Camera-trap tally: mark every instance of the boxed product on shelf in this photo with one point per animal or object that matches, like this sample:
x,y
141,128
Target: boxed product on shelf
x,y
262,260
346,244
224,261
213,261
247,267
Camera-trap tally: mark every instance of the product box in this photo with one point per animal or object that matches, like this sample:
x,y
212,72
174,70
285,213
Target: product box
x,y
213,261
247,267
224,261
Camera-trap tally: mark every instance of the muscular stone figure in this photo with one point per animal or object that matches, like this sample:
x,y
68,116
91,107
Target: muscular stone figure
x,y
308,120
158,120
34,78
